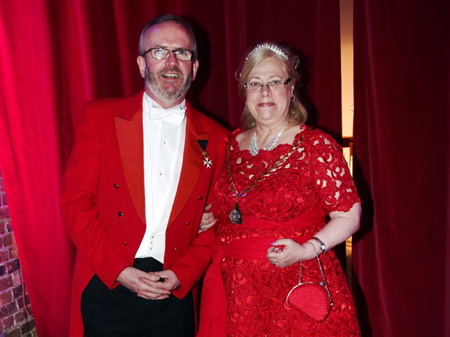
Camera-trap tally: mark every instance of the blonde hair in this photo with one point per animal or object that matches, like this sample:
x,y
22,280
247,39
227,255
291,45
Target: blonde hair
x,y
290,62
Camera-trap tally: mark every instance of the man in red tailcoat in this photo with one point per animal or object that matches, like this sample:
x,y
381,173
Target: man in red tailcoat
x,y
136,186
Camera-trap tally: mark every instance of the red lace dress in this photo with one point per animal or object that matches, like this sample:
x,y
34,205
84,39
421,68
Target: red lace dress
x,y
291,202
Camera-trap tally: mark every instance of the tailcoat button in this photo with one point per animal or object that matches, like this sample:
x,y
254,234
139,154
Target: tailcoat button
x,y
200,197
120,213
187,223
125,243
116,185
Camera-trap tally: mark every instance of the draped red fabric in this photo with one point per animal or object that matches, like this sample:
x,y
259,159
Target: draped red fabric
x,y
30,160
402,150
56,55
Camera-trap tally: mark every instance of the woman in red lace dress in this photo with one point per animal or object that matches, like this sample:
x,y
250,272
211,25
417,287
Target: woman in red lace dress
x,y
284,198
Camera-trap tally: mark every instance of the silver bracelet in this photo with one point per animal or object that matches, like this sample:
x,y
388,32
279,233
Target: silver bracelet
x,y
323,247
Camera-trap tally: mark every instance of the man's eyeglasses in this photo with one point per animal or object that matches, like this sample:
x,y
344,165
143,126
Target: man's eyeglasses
x,y
256,86
163,53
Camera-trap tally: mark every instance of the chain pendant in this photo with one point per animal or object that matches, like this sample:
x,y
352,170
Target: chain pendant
x,y
236,215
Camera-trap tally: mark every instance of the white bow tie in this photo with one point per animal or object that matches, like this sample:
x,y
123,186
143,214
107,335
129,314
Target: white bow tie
x,y
174,116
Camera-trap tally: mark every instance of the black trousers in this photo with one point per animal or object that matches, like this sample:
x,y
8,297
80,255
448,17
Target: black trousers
x,y
121,313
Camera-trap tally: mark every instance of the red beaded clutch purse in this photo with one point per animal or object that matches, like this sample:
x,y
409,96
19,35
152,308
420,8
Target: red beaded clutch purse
x,y
312,298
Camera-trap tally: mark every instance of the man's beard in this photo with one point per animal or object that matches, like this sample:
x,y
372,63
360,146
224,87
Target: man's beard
x,y
151,82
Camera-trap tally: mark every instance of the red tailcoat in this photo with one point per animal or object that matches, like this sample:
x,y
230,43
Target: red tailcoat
x,y
103,197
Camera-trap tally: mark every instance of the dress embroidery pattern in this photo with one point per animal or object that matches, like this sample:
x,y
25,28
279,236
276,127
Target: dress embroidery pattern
x,y
235,215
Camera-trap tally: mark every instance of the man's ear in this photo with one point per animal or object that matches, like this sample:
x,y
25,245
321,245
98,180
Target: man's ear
x,y
195,65
141,64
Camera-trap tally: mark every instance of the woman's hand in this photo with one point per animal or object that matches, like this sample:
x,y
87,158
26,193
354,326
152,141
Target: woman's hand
x,y
286,252
208,219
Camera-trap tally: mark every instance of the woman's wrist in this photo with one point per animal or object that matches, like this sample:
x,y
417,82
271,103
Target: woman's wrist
x,y
321,247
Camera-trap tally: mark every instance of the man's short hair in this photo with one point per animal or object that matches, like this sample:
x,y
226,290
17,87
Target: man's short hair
x,y
169,18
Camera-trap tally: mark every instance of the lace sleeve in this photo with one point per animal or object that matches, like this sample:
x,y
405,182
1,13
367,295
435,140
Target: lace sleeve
x,y
332,175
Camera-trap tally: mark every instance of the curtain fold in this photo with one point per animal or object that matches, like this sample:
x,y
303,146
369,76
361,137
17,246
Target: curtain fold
x,y
402,156
55,56
30,160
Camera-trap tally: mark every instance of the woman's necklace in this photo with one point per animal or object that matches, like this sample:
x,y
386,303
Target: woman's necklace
x,y
270,145
235,215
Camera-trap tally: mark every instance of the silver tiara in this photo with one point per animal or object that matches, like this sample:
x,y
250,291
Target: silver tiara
x,y
271,47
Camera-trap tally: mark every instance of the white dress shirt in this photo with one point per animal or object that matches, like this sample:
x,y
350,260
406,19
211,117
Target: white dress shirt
x,y
164,137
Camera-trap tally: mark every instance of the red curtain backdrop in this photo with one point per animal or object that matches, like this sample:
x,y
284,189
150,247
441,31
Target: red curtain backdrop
x,y
401,137
56,55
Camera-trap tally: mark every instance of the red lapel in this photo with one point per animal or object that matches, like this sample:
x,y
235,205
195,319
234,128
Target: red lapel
x,y
131,144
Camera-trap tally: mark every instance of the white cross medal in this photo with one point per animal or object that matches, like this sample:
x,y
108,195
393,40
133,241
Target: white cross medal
x,y
206,161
